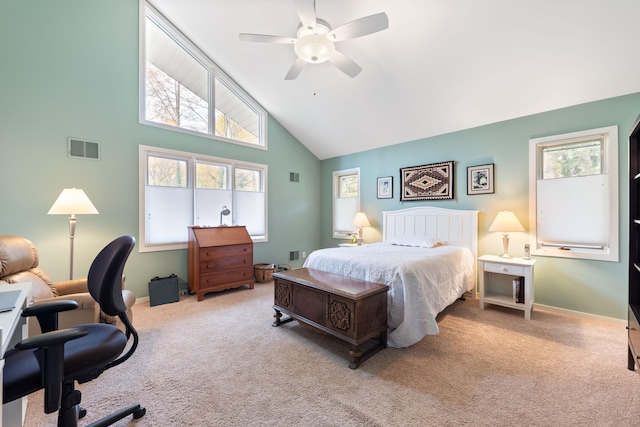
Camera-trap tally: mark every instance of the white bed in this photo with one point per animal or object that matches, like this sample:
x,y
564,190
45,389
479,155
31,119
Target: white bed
x,y
422,280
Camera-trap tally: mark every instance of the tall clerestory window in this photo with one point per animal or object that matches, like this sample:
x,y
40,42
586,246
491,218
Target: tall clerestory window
x,y
182,89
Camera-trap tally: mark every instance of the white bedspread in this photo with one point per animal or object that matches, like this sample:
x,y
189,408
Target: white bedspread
x,y
422,281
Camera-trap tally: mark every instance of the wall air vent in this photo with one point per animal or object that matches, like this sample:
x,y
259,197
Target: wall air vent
x,y
81,148
294,177
294,255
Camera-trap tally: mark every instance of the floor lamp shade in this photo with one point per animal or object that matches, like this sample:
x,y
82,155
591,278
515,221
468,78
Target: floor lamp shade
x,y
72,202
506,222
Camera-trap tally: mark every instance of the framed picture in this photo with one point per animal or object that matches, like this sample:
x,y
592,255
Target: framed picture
x,y
385,187
480,179
427,182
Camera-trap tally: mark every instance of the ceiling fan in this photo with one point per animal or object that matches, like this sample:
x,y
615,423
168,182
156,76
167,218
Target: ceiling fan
x,y
315,40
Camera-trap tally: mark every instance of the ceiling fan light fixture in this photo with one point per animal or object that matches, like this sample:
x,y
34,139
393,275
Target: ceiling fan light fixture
x,y
314,48
315,39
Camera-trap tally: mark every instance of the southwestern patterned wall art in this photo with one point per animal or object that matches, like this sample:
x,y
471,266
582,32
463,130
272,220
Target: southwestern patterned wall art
x,y
427,182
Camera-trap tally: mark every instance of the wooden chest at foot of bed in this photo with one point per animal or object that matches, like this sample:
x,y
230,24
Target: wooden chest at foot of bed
x,y
351,309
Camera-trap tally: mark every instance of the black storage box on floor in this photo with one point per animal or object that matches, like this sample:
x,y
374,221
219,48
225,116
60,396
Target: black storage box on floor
x,y
163,290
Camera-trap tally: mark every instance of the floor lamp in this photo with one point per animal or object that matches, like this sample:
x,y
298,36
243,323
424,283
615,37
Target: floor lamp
x,y
72,201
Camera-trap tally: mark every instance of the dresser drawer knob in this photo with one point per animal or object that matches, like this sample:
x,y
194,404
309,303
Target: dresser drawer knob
x,y
505,269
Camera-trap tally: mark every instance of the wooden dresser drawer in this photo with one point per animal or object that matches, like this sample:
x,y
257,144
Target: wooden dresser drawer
x,y
226,276
225,263
217,252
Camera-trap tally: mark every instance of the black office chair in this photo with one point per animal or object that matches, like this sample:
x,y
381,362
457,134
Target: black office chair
x,y
56,359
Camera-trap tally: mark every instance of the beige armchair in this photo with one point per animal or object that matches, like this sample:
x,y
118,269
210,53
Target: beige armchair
x,y
19,263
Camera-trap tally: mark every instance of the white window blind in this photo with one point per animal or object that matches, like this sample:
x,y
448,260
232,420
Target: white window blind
x,y
574,211
168,214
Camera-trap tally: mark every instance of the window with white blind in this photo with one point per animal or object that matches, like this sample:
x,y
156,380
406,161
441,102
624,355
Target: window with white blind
x,y
182,89
182,189
574,194
346,201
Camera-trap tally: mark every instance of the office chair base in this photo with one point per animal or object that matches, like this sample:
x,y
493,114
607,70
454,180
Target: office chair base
x,y
71,410
136,410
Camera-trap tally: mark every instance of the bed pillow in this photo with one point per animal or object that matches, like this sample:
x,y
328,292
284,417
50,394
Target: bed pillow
x,y
414,241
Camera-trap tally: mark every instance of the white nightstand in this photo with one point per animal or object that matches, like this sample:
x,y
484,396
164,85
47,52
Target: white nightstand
x,y
496,282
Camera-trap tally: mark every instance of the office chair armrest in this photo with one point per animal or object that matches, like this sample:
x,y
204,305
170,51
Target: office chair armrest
x,y
52,338
50,354
47,312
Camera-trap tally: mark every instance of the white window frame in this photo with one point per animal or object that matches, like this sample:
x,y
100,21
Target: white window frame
x,y
343,234
192,158
214,72
610,250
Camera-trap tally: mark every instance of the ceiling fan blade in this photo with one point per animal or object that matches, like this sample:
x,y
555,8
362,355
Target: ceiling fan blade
x,y
295,69
345,64
361,27
307,12
263,38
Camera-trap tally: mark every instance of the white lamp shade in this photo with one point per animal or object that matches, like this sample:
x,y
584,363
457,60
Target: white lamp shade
x,y
72,201
360,220
506,222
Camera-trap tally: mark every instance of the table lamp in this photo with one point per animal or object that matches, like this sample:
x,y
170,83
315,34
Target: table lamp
x,y
225,211
360,220
506,222
72,201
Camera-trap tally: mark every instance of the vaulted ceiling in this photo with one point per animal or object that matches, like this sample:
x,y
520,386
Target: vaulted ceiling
x,y
441,66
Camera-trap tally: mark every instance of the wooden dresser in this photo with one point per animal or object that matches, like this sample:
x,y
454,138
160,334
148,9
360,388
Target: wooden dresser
x,y
219,258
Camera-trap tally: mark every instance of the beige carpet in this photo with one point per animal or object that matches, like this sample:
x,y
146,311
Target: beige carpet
x,y
219,362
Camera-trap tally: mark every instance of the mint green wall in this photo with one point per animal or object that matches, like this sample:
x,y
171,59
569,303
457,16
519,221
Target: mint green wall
x,y
70,68
594,287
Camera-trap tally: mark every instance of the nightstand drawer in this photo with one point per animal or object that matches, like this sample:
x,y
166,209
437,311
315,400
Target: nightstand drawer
x,y
514,270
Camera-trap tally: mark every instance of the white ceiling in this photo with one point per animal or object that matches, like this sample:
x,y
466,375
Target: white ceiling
x,y
441,66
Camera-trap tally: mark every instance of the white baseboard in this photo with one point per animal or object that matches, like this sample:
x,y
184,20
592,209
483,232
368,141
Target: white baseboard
x,y
579,314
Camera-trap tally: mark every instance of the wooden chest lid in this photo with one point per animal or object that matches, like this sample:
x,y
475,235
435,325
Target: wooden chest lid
x,y
334,283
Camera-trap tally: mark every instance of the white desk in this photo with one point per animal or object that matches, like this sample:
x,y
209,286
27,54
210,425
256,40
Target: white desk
x,y
13,329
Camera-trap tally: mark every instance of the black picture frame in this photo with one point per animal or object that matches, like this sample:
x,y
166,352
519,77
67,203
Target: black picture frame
x,y
385,187
480,179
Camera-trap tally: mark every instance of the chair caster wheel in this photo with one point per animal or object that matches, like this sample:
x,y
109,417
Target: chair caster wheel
x,y
139,413
82,412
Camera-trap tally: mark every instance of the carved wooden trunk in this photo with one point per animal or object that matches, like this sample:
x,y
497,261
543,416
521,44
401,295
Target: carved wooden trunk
x,y
351,309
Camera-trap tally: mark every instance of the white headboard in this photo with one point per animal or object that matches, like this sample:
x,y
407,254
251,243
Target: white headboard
x,y
457,227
